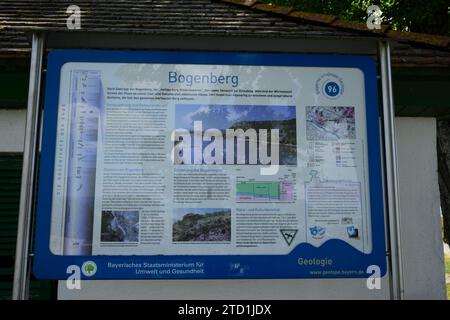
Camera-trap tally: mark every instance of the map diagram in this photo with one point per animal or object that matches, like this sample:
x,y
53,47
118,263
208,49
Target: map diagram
x,y
262,191
330,123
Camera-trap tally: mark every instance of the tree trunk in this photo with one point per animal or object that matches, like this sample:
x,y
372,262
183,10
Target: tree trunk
x,y
443,154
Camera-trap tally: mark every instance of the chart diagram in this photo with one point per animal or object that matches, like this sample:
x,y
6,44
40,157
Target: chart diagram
x,y
261,191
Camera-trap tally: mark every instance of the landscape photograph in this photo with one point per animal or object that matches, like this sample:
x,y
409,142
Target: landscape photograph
x,y
202,225
248,118
120,226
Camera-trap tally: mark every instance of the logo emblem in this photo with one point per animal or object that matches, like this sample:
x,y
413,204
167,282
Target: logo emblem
x,y
346,220
89,268
330,86
352,232
288,235
331,89
317,232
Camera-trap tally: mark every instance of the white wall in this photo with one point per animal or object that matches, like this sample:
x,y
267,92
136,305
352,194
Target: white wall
x,y
12,129
225,289
421,237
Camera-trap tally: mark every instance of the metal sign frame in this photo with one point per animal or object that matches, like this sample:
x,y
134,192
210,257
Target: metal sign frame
x,y
23,252
259,266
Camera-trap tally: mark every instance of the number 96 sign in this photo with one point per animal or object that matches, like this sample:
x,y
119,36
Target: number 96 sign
x,y
330,85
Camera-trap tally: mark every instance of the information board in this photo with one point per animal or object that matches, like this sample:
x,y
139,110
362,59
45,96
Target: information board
x,y
209,165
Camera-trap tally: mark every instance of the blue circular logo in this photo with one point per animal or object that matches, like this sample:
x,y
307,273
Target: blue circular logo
x,y
331,89
330,85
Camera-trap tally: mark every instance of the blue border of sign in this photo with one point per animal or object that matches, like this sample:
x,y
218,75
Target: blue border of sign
x,y
348,262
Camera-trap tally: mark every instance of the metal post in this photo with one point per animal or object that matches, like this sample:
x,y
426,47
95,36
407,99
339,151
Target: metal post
x,y
21,268
390,151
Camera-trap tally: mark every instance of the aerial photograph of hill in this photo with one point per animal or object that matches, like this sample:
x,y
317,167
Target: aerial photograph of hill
x,y
202,224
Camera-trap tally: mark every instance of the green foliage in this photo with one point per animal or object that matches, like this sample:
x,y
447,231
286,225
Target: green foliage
x,y
447,271
447,264
448,291
430,16
89,268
